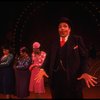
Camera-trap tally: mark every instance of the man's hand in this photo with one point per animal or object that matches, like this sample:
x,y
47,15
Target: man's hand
x,y
90,80
40,75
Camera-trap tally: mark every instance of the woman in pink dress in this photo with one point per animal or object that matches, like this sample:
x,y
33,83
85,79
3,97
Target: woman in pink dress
x,y
38,58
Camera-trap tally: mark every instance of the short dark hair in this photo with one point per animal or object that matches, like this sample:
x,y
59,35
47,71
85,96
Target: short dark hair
x,y
7,47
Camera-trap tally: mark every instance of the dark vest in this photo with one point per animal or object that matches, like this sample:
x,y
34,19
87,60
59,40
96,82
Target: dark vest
x,y
61,58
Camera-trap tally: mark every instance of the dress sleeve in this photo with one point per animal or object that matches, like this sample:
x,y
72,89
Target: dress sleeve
x,y
7,62
43,57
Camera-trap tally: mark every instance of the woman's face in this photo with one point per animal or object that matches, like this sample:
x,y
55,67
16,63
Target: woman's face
x,y
36,50
5,51
64,29
21,53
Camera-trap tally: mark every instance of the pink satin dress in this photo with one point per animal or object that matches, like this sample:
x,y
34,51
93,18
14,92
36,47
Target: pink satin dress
x,y
38,61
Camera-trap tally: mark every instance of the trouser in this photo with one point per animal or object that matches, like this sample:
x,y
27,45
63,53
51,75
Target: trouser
x,y
61,87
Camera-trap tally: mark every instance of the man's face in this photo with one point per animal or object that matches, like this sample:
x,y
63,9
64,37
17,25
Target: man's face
x,y
64,29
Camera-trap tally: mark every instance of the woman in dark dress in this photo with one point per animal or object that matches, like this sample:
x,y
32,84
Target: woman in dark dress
x,y
22,73
7,73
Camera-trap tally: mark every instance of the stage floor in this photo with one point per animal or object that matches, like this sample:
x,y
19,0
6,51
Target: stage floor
x,y
88,93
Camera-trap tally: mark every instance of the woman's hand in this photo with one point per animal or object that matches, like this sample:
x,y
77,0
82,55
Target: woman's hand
x,y
31,67
40,75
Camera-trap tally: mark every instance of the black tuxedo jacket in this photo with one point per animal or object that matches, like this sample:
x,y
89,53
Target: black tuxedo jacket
x,y
76,53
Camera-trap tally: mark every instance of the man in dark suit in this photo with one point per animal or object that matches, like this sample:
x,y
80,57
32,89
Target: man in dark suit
x,y
67,64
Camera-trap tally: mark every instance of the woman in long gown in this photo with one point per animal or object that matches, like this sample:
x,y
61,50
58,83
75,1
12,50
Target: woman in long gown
x,y
7,78
22,73
38,58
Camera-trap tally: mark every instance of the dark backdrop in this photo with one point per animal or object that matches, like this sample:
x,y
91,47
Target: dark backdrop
x,y
23,22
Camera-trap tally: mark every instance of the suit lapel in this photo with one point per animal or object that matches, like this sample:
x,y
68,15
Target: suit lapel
x,y
54,49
